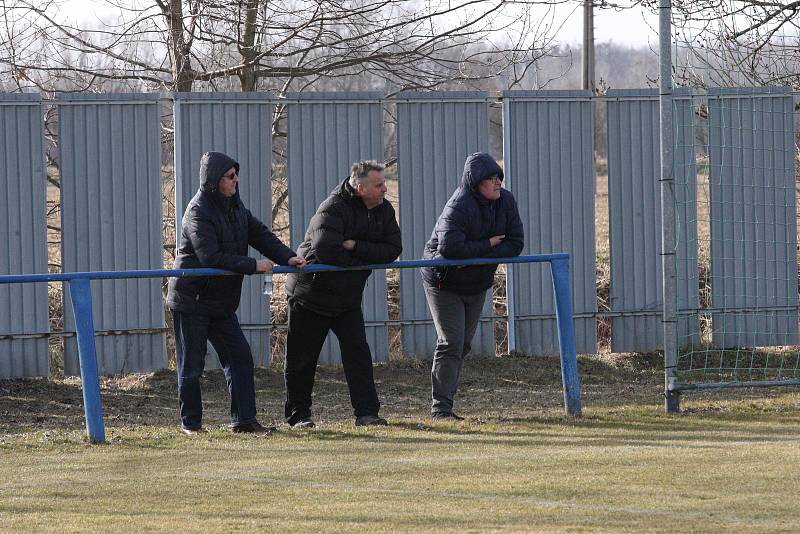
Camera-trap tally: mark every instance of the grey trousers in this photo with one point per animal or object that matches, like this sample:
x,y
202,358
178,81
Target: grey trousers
x,y
456,319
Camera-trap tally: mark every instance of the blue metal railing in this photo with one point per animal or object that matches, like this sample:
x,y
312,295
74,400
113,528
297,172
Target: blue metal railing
x,y
81,295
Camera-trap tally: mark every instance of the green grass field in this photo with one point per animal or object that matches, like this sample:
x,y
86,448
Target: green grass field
x,y
730,462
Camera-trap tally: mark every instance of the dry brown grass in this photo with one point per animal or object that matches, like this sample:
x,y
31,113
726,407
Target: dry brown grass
x,y
54,289
168,237
602,258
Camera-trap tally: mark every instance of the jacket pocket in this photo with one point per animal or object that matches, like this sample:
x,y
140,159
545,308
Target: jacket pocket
x,y
190,287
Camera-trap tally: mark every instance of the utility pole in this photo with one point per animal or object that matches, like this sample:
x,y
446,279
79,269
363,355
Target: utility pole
x,y
587,75
668,223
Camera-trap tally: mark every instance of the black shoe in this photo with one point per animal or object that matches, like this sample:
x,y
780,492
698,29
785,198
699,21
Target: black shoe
x,y
192,431
446,415
252,428
305,422
370,420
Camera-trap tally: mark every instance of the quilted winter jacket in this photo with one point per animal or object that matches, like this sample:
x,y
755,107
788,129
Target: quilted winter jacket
x,y
216,232
464,227
340,217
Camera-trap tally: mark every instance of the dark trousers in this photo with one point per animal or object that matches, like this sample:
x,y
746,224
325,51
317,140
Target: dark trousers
x,y
191,334
307,332
456,319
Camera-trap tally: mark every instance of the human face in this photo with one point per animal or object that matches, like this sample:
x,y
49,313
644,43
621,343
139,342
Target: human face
x,y
490,187
373,189
227,184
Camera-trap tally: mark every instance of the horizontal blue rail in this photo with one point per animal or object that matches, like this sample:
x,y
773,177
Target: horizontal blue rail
x,y
81,296
278,269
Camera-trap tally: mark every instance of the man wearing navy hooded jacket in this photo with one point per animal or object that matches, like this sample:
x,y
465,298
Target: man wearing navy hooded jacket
x,y
217,229
481,220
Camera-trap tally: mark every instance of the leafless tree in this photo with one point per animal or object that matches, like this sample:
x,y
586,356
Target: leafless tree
x,y
182,45
736,42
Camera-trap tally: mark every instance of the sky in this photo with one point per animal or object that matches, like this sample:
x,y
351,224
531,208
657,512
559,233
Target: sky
x,y
631,27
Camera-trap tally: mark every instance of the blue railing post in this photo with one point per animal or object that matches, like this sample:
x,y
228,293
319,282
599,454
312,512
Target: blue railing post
x,y
80,292
566,336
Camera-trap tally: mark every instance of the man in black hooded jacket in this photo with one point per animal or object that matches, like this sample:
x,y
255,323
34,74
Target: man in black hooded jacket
x,y
481,220
216,231
353,226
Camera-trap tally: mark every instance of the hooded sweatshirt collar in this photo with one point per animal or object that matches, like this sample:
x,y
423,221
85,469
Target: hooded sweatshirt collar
x,y
478,167
212,166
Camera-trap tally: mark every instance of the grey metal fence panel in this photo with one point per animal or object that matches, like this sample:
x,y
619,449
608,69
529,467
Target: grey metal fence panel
x,y
635,216
240,125
753,217
548,152
685,179
110,162
436,132
23,240
327,133
634,197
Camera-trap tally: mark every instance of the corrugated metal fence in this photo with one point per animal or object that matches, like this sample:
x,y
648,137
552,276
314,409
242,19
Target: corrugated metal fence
x,y
23,240
110,149
635,217
110,163
549,162
753,216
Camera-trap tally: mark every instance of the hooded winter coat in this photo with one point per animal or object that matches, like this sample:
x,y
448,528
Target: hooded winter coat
x,y
340,217
463,230
216,232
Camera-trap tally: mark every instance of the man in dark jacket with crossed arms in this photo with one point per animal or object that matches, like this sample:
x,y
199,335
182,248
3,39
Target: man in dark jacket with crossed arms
x,y
353,226
216,231
480,220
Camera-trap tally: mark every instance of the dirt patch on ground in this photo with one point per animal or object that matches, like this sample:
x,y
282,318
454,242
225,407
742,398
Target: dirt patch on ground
x,y
491,388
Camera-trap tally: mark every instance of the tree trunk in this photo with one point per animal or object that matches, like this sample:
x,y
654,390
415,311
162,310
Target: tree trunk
x,y
247,48
182,75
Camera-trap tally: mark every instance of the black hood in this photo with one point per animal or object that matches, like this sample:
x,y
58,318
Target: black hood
x,y
212,166
478,167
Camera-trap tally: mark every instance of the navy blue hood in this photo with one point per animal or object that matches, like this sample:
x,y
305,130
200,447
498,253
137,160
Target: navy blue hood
x,y
212,166
478,167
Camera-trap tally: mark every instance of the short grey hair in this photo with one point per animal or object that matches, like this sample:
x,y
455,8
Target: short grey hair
x,y
361,169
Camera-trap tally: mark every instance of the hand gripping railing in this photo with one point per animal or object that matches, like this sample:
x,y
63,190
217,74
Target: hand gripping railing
x,y
81,295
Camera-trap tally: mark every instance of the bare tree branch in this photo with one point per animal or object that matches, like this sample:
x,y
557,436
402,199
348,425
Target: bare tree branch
x,y
278,45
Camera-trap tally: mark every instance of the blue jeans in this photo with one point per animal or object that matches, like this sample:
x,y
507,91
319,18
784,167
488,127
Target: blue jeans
x,y
191,334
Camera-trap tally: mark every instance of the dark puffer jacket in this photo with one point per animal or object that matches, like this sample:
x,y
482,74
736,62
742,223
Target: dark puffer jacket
x,y
216,233
340,217
463,230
